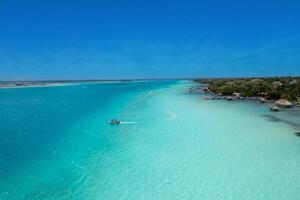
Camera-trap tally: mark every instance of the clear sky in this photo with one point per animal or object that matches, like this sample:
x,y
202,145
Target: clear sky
x,y
106,39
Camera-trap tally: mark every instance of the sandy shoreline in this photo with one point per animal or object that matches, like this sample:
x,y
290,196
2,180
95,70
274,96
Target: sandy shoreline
x,y
25,84
5,86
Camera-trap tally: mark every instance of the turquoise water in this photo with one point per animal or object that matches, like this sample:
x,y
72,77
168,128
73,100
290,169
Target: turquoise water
x,y
56,144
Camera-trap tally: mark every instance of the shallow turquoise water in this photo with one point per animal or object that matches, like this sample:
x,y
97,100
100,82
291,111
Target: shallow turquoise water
x,y
56,144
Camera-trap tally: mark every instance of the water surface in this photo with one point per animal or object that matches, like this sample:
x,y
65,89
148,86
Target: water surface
x,y
56,144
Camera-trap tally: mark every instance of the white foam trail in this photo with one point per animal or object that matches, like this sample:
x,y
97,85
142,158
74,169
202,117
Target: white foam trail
x,y
128,122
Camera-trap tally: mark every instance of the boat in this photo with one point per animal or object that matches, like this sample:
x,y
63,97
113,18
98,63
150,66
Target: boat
x,y
114,121
229,98
274,108
262,100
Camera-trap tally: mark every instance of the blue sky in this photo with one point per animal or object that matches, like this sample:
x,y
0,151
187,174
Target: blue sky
x,y
148,39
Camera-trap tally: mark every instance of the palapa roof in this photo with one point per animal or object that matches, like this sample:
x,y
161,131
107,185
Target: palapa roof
x,y
283,102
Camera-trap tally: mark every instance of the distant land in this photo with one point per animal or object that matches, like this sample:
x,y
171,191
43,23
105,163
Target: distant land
x,y
29,83
12,84
264,88
285,87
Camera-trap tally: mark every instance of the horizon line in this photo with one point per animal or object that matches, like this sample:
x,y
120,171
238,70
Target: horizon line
x,y
145,79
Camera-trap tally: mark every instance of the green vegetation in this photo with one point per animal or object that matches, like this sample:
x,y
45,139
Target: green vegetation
x,y
270,88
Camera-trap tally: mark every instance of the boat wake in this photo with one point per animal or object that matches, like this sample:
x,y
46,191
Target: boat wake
x,y
128,122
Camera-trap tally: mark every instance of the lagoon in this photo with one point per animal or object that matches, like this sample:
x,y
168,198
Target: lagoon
x,y
55,143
